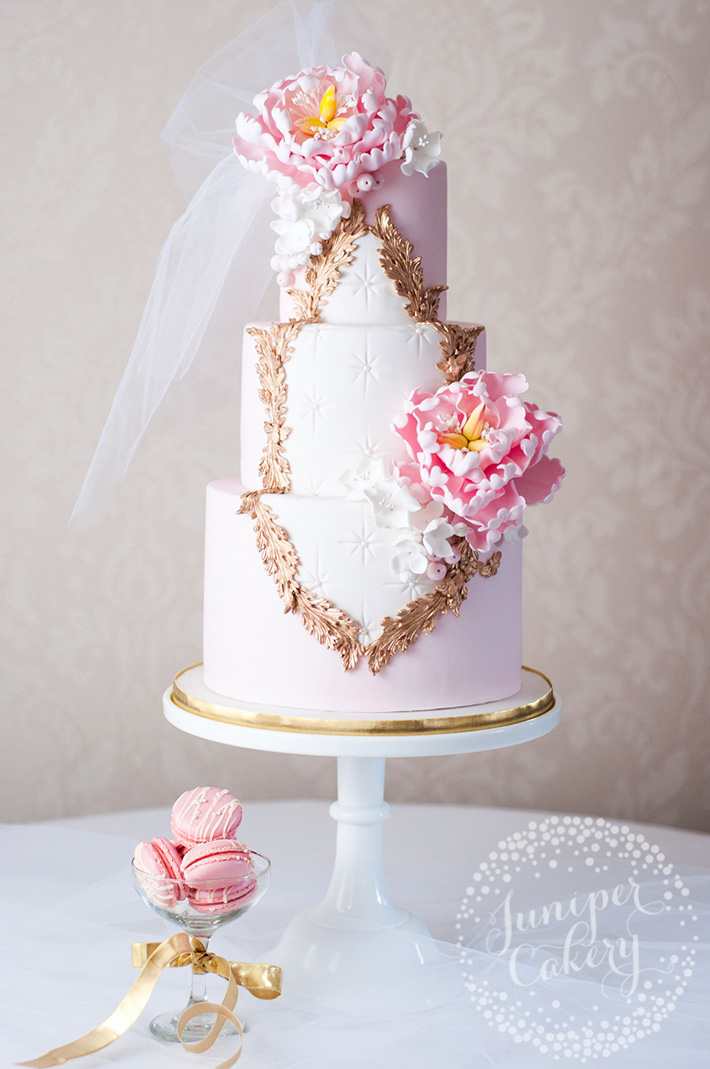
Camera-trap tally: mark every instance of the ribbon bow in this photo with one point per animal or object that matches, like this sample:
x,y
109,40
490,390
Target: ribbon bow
x,y
263,981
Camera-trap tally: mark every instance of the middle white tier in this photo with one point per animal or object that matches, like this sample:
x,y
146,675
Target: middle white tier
x,y
346,385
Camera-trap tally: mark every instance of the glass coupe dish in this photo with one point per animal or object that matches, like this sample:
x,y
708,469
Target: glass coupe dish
x,y
199,915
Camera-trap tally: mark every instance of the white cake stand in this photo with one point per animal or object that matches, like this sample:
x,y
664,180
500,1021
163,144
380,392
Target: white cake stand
x,y
358,940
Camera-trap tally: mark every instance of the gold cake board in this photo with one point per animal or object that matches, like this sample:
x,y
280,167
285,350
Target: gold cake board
x,y
535,698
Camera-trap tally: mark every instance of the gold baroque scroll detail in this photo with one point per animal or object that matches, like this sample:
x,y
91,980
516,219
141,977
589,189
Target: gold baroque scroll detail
x,y
323,272
458,347
332,627
274,349
405,270
420,616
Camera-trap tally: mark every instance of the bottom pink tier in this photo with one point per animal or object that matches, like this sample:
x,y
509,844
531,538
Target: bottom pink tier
x,y
255,652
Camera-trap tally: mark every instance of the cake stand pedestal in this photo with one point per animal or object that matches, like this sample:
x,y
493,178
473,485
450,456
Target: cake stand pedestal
x,y
357,939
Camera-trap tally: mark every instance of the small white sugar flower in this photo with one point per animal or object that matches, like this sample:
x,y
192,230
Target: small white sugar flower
x,y
324,209
294,241
435,538
421,149
306,218
412,557
370,480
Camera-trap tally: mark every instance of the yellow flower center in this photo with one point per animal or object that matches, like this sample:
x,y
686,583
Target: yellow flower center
x,y
473,435
327,122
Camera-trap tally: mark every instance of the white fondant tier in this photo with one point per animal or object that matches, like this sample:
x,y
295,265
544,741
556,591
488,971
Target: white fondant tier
x,y
346,384
255,652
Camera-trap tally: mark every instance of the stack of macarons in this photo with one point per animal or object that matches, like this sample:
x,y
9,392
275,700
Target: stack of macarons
x,y
204,862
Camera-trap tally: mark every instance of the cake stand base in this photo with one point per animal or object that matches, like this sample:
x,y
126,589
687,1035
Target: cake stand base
x,y
358,947
357,943
358,969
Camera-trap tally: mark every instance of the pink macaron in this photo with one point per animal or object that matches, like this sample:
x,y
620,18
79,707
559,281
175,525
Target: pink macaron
x,y
216,864
159,867
205,814
223,899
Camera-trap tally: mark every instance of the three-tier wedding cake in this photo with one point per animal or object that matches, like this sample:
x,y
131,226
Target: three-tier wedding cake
x,y
368,557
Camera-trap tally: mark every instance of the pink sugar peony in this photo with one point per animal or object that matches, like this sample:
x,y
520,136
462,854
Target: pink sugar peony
x,y
479,450
324,125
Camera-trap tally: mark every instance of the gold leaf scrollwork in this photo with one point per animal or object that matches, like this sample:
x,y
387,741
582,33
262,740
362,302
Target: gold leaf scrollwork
x,y
332,627
323,271
404,270
402,630
275,548
274,347
458,343
458,347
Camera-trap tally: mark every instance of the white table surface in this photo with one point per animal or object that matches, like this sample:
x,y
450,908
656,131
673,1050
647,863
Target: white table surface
x,y
70,914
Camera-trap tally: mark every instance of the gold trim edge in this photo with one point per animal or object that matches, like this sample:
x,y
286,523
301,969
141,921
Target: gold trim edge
x,y
445,725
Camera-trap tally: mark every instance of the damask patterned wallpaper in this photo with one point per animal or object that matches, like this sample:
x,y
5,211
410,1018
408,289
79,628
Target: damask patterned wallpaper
x,y
577,140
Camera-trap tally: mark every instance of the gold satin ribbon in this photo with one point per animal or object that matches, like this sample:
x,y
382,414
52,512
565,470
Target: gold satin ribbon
x,y
263,981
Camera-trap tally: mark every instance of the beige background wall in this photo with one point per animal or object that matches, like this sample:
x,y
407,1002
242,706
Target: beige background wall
x,y
577,141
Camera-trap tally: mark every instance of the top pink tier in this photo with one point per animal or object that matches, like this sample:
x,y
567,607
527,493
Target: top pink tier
x,y
205,814
418,210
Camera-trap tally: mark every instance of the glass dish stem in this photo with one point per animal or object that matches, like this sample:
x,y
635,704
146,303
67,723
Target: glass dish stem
x,y
198,987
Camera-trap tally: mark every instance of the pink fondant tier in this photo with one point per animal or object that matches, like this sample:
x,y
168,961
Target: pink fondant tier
x,y
417,207
256,652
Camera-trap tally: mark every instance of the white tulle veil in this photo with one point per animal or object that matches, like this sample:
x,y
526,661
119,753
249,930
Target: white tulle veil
x,y
214,266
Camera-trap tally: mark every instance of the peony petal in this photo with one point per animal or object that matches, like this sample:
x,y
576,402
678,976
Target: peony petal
x,y
538,483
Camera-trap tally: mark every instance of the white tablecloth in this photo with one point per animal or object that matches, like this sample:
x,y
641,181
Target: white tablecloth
x,y
70,914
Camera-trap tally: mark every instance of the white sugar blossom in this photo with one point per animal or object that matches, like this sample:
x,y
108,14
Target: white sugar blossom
x,y
426,543
295,242
306,218
412,557
392,504
435,539
421,149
